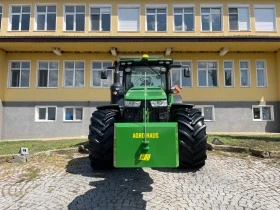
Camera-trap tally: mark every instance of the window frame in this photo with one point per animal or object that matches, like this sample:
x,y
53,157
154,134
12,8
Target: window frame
x,y
74,20
47,111
232,74
10,73
130,6
265,73
10,21
64,72
249,74
74,113
184,6
239,6
266,6
207,86
100,6
46,19
38,70
156,6
1,18
261,111
182,73
202,112
212,6
91,73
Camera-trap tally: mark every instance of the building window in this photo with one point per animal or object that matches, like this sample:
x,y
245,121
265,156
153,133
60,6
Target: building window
x,y
184,19
45,113
129,18
177,74
265,18
45,18
19,18
244,74
156,19
207,74
97,67
73,114
207,111
74,74
229,73
1,14
74,18
211,18
47,74
263,113
239,19
100,18
19,74
261,74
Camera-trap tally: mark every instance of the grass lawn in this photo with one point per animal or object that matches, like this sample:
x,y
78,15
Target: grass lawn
x,y
263,142
13,147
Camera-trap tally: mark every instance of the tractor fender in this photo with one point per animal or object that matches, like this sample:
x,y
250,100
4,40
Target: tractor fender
x,y
176,98
176,106
109,106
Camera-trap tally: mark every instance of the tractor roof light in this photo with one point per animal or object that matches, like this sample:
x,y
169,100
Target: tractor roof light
x,y
145,57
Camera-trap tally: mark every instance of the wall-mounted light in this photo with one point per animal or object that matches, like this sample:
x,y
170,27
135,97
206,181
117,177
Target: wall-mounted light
x,y
57,51
223,51
168,51
114,51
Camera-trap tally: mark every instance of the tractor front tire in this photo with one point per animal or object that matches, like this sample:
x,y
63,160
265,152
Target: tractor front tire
x,y
192,138
101,138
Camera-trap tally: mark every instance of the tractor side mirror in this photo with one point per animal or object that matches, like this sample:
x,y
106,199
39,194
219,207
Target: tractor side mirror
x,y
187,72
104,74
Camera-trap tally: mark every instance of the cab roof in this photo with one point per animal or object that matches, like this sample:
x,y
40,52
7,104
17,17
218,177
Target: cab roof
x,y
145,60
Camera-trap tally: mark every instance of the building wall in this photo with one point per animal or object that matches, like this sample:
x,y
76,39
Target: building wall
x,y
114,19
237,116
195,93
19,118
232,105
3,71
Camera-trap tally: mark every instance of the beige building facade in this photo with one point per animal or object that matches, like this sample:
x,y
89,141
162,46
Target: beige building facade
x,y
52,54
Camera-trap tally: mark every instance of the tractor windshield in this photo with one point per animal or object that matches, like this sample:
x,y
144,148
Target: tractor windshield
x,y
154,76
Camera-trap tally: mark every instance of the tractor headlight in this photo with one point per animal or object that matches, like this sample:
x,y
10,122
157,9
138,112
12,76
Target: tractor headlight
x,y
159,103
132,103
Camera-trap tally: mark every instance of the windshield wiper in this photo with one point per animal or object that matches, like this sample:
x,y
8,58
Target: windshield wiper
x,y
154,70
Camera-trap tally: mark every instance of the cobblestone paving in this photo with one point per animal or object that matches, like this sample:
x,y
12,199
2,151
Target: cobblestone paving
x,y
56,182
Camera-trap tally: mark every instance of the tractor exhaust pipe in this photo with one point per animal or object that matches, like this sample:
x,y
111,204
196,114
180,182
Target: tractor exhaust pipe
x,y
117,90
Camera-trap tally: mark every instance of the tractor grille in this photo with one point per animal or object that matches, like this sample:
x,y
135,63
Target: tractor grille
x,y
135,114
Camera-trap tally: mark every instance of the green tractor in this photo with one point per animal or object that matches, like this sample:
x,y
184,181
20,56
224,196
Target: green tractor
x,y
146,124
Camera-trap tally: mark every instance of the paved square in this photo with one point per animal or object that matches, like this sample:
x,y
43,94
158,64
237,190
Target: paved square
x,y
59,182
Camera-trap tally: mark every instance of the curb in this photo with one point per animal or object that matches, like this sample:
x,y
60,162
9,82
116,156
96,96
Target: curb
x,y
254,152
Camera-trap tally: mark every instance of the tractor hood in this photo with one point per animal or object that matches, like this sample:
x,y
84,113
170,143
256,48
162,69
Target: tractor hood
x,y
148,93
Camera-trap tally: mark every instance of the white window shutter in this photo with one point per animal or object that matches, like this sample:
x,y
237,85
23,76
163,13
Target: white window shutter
x,y
128,19
243,18
264,19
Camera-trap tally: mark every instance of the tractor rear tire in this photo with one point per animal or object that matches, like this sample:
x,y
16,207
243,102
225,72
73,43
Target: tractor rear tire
x,y
101,138
192,138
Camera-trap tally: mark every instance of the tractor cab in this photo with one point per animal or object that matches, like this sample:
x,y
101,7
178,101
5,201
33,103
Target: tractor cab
x,y
145,72
142,84
135,78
